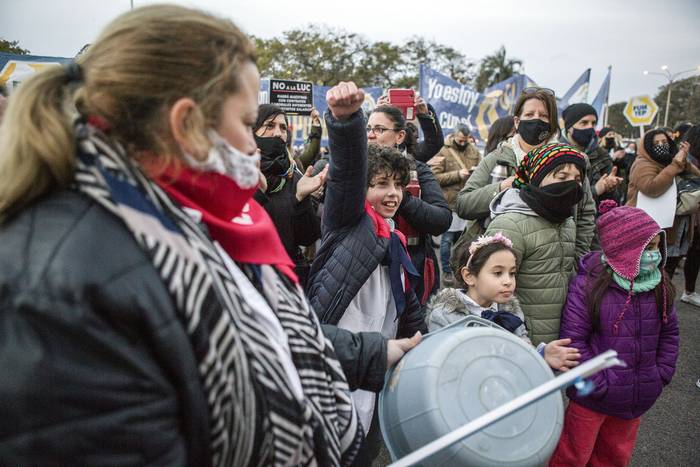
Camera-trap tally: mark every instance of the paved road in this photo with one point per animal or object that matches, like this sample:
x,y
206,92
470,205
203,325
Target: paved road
x,y
670,432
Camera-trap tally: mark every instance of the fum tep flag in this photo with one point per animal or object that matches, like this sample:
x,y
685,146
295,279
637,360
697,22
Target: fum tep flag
x,y
294,97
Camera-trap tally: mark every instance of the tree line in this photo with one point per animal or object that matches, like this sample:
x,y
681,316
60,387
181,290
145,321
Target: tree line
x,y
326,56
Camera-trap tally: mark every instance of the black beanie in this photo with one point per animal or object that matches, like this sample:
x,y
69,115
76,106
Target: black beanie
x,y
604,131
576,112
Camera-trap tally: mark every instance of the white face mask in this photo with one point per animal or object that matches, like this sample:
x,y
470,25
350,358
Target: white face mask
x,y
227,160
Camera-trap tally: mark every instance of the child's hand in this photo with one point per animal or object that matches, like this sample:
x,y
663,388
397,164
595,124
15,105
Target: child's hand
x,y
608,182
560,357
344,99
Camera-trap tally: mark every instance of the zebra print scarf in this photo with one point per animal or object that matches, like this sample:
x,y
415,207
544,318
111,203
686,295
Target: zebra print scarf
x,y
255,419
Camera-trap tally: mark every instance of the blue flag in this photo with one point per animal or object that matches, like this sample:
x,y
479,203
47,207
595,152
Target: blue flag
x,y
600,102
578,92
457,103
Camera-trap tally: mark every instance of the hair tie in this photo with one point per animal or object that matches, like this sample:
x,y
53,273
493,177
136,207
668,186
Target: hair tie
x,y
73,72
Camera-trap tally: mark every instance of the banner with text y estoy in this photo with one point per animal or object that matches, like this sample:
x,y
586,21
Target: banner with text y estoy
x,y
457,103
453,102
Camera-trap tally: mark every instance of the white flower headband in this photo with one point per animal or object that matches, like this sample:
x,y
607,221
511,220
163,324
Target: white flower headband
x,y
484,240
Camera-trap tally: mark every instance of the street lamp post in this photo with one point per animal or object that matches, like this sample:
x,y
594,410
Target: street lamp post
x,y
671,77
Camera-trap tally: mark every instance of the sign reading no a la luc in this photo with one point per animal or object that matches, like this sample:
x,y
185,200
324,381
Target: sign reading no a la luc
x,y
294,97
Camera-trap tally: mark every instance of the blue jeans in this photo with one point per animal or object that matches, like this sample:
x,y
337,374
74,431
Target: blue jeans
x,y
446,242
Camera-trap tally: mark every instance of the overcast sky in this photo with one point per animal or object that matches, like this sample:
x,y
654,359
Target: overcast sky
x,y
557,40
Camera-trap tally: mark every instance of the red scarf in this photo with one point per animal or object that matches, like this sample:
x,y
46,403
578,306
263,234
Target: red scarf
x,y
382,229
234,219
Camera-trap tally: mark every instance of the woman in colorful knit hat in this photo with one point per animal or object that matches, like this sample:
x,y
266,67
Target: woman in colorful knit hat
x,y
537,215
621,299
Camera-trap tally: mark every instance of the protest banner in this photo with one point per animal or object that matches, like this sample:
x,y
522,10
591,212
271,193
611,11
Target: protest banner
x,y
294,97
456,103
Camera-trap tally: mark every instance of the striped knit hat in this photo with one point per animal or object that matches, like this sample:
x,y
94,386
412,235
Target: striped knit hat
x,y
540,161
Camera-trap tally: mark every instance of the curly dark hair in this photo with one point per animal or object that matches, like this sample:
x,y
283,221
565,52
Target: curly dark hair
x,y
387,160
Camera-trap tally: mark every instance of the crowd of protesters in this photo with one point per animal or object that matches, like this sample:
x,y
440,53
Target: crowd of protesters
x,y
180,286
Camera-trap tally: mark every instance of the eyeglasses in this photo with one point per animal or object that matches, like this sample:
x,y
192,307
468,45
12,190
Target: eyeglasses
x,y
379,130
533,90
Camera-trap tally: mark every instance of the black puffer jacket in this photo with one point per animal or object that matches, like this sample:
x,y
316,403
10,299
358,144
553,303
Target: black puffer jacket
x,y
350,248
95,366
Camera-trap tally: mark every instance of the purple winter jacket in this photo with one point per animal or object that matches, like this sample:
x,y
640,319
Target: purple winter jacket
x,y
647,345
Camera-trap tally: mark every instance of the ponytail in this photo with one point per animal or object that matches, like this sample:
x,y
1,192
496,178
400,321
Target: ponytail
x,y
37,140
141,64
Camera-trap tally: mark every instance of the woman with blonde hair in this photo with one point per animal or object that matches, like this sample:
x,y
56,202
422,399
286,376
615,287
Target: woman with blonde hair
x,y
150,314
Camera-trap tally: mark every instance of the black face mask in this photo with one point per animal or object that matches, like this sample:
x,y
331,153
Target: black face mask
x,y
609,143
273,155
661,153
554,202
274,161
460,147
583,137
534,131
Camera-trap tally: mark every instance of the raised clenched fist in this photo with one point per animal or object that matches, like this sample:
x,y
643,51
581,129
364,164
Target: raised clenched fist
x,y
344,99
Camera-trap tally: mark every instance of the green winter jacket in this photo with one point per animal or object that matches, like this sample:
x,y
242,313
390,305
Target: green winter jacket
x,y
474,199
546,259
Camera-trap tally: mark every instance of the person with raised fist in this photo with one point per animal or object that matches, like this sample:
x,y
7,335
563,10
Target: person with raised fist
x,y
423,211
359,280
